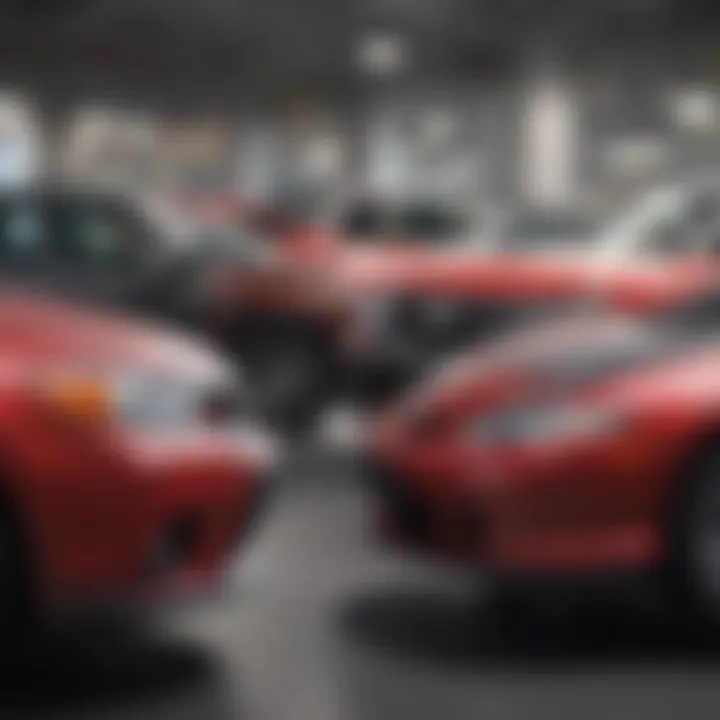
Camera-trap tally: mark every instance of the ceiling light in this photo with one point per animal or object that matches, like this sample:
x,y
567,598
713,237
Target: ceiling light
x,y
382,54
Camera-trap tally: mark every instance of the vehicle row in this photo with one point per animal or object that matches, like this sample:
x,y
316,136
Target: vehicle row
x,y
544,398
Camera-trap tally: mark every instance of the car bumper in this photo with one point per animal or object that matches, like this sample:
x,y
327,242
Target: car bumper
x,y
156,524
425,523
530,517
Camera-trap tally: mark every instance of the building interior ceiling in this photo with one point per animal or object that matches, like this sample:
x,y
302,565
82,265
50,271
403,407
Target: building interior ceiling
x,y
236,51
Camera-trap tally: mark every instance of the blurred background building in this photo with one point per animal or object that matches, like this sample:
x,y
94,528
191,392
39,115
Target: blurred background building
x,y
554,101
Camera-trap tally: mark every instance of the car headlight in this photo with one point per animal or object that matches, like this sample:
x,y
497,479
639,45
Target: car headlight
x,y
545,423
131,398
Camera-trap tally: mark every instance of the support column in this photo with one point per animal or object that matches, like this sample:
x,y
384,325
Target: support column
x,y
550,140
20,140
52,139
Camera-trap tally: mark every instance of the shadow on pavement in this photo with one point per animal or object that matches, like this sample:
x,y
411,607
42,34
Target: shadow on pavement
x,y
94,673
608,632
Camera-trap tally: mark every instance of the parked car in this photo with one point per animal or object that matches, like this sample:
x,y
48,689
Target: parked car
x,y
287,326
587,448
132,466
420,304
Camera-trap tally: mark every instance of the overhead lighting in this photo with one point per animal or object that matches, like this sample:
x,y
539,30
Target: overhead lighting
x,y
382,54
695,109
550,126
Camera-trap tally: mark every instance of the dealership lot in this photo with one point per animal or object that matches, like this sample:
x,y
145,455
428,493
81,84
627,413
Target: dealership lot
x,y
339,339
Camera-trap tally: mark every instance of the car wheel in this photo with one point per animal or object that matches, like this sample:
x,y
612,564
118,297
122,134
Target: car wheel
x,y
692,580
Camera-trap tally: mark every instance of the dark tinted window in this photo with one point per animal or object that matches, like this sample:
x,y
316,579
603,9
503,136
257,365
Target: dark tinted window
x,y
408,223
365,220
24,237
431,222
97,232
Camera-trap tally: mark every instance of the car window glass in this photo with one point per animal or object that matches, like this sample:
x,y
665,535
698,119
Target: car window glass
x,y
689,229
539,228
430,222
364,221
97,233
647,227
667,237
23,232
544,226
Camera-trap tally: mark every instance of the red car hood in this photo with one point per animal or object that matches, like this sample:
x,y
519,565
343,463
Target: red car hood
x,y
627,283
35,330
553,359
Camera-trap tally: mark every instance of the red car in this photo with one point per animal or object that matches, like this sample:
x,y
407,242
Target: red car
x,y
421,300
286,328
131,469
587,447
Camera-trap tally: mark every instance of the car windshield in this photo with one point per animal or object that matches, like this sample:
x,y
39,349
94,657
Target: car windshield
x,y
665,222
530,229
643,226
630,343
